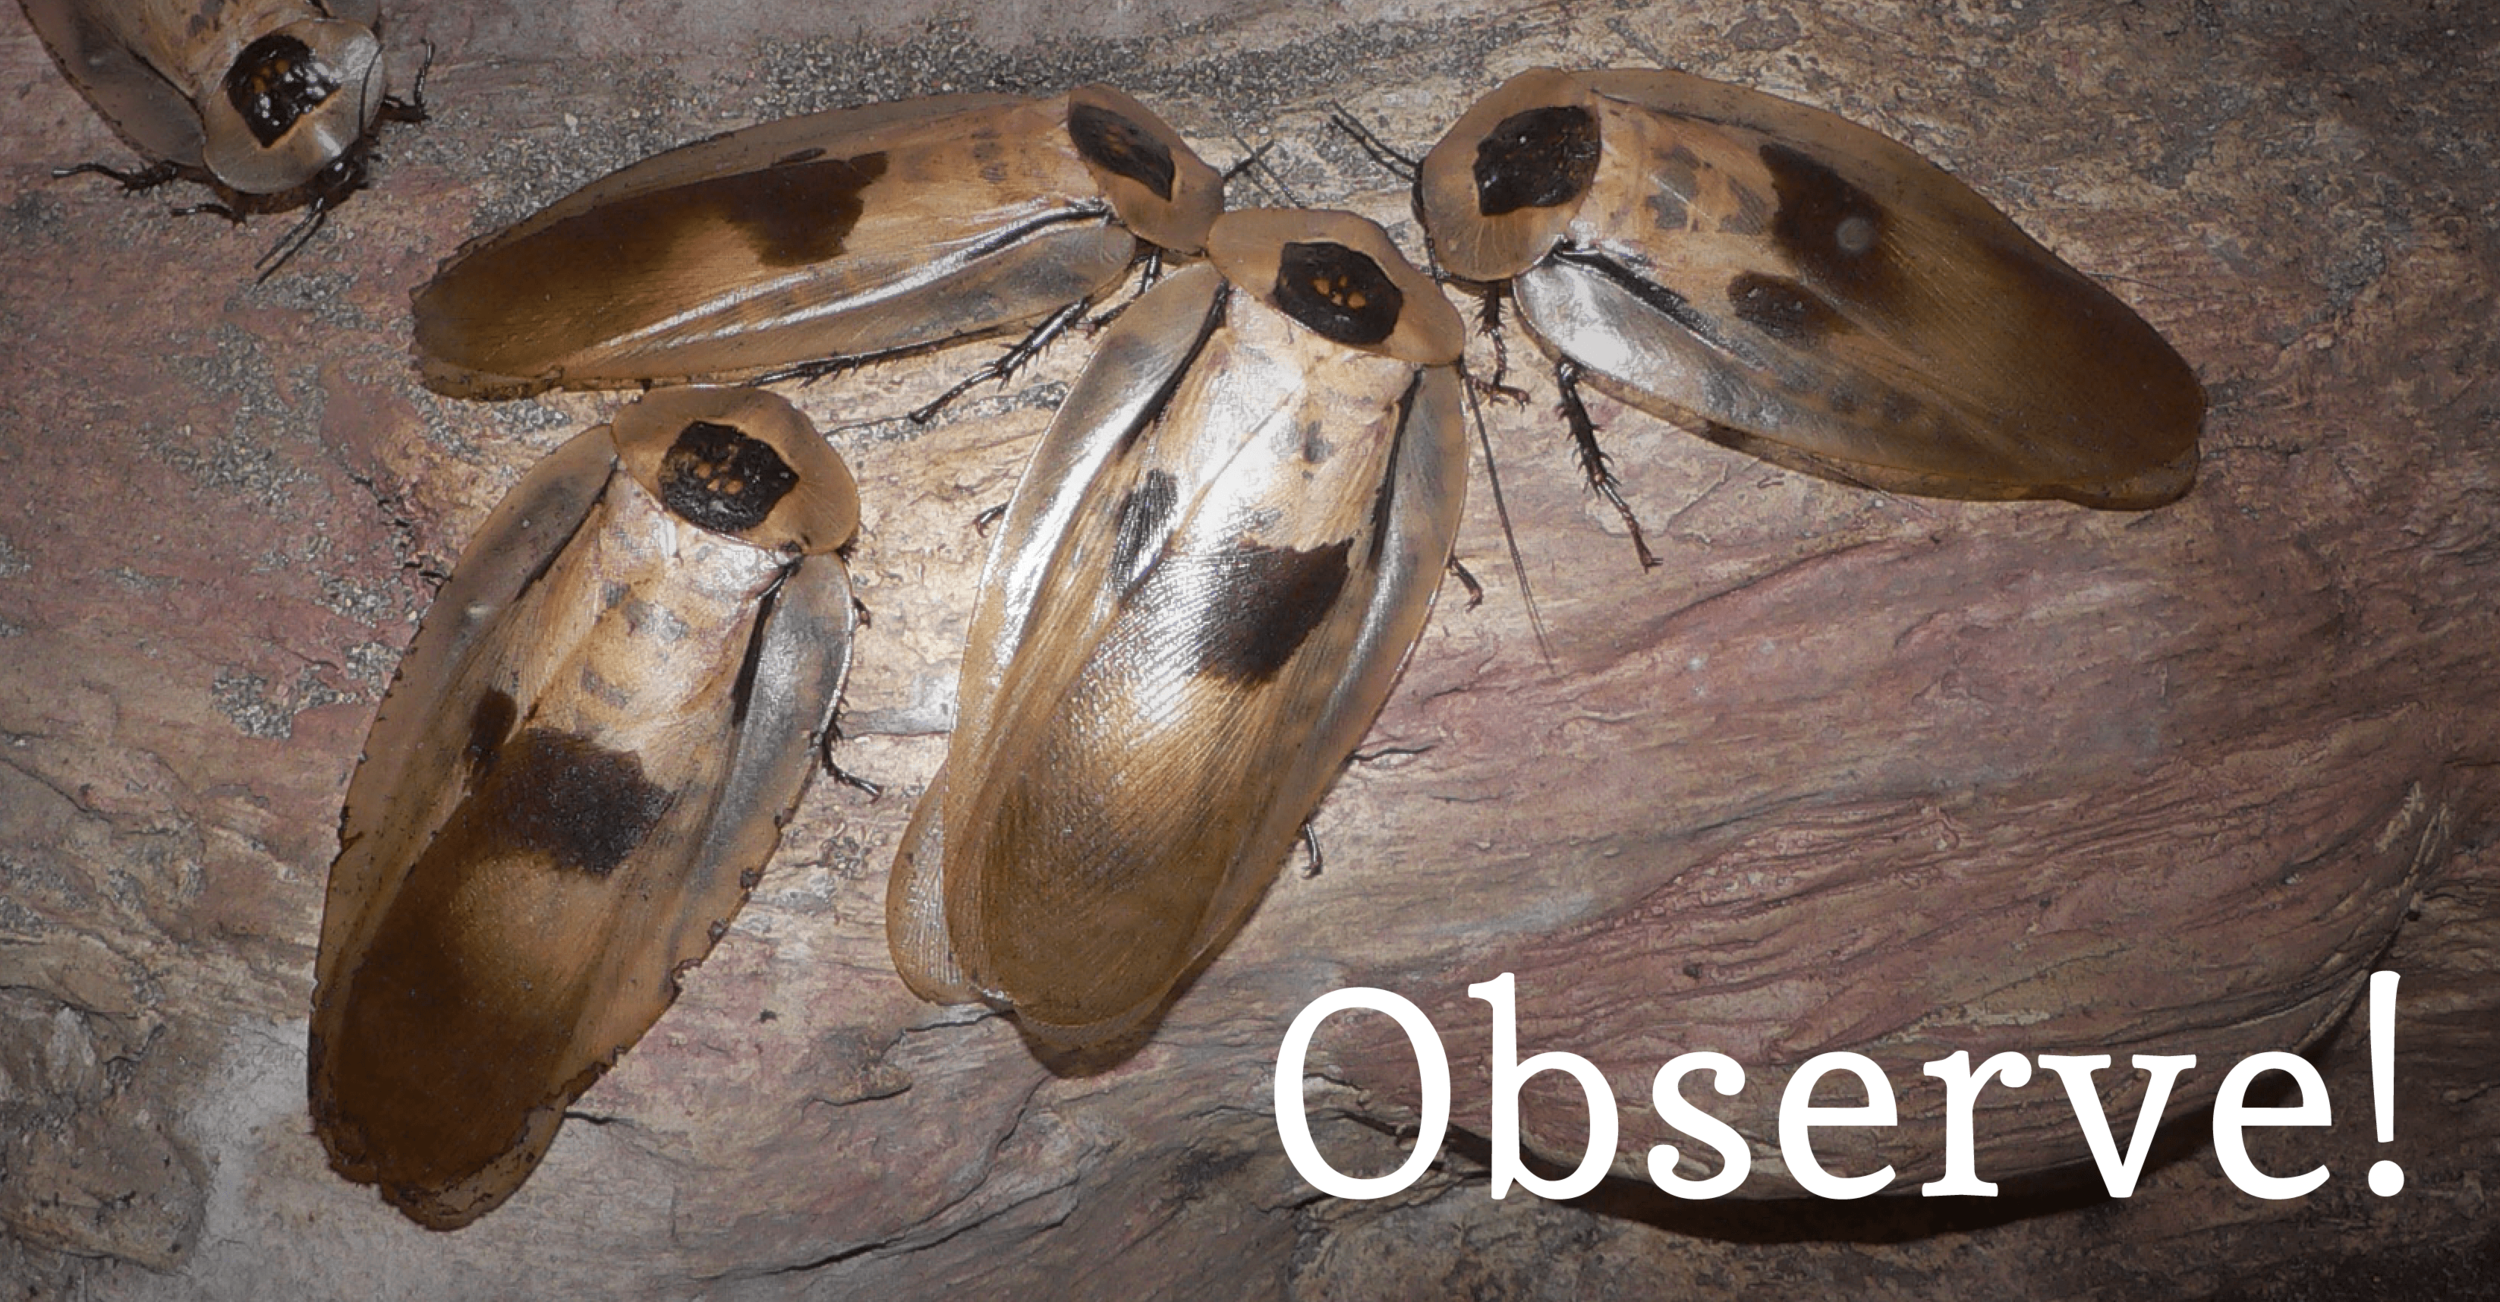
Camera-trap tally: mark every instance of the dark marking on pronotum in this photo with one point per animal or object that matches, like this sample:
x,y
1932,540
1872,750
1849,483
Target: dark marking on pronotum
x,y
1540,158
1145,516
1339,292
489,724
1280,594
1783,309
1831,227
561,795
718,478
275,81
1122,147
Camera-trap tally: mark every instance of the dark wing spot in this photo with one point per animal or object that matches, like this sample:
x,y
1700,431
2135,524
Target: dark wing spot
x,y
1783,309
792,213
275,81
1832,228
592,275
1145,516
720,479
1278,595
1666,210
489,724
557,794
1339,292
1541,158
1121,147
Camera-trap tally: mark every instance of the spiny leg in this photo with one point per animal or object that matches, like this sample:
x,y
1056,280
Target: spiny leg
x,y
1009,361
1593,458
1489,324
146,178
824,756
412,109
1475,590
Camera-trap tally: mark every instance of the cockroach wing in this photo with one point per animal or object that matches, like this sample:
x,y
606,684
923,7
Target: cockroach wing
x,y
1220,616
416,748
104,51
849,234
1123,390
620,687
1788,282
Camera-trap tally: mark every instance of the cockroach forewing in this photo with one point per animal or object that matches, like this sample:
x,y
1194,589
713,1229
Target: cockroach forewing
x,y
416,744
844,235
1121,392
99,48
1222,620
623,735
915,905
1788,282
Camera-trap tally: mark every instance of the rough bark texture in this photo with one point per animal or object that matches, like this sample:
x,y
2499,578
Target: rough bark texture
x,y
1850,771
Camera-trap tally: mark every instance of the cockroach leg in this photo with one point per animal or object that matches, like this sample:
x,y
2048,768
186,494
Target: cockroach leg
x,y
1601,477
1475,590
145,178
1009,362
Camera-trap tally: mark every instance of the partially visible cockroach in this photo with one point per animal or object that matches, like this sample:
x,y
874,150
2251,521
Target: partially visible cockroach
x,y
799,246
573,784
1217,560
272,104
1788,283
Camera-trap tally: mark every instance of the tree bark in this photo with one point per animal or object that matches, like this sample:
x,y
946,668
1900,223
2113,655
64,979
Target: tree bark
x,y
1850,771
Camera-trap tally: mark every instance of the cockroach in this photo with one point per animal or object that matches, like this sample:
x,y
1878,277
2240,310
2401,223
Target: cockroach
x,y
573,784
1788,283
800,246
272,104
1200,595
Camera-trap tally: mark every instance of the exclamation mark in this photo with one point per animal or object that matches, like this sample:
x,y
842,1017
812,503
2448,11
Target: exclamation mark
x,y
2385,1177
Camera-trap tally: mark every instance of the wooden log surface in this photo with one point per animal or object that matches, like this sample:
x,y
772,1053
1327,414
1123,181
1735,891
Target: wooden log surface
x,y
1850,771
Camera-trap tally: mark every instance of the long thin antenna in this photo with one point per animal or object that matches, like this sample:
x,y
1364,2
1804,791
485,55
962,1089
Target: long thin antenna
x,y
1258,158
1501,512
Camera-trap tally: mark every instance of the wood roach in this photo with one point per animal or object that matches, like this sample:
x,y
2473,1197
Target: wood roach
x,y
1197,601
1804,289
800,246
573,784
271,103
